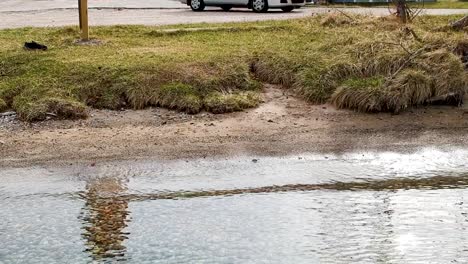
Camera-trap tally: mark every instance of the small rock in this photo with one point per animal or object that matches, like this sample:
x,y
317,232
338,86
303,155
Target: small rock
x,y
93,164
270,121
2,142
34,46
255,160
164,122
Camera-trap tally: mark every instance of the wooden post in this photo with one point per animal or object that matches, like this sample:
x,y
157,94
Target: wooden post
x,y
84,27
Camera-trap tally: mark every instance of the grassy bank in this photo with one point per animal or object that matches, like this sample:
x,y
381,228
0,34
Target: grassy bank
x,y
368,64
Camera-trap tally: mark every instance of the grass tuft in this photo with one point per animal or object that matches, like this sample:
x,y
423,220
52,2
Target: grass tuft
x,y
335,19
362,94
408,88
180,97
29,110
317,84
3,105
220,103
276,68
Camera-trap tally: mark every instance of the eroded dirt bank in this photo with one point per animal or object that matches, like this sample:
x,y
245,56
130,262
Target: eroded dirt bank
x,y
281,125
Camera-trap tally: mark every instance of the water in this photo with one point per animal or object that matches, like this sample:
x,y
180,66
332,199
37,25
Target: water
x,y
314,208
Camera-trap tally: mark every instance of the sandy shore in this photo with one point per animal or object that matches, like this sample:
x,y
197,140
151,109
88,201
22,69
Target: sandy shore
x,y
282,125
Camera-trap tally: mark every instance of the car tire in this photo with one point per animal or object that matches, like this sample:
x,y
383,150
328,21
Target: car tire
x,y
226,8
287,9
197,5
259,6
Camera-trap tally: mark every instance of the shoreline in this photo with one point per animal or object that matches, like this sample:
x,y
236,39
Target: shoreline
x,y
282,125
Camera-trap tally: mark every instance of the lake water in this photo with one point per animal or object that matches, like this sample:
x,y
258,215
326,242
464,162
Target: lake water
x,y
379,207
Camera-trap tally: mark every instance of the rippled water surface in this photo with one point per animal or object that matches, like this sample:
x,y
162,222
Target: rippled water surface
x,y
348,208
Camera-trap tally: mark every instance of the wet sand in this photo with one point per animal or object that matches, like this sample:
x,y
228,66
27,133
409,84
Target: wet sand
x,y
282,125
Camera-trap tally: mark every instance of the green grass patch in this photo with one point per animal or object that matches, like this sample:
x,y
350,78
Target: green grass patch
x,y
3,105
179,96
222,103
219,67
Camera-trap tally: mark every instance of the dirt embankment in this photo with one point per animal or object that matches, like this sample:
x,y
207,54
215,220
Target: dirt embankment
x,y
281,125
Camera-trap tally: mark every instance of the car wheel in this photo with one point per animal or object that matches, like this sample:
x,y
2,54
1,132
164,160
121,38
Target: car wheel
x,y
287,8
226,8
197,5
260,6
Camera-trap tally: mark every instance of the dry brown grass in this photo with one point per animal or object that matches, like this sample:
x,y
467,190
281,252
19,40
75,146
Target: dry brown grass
x,y
363,94
389,68
434,74
335,19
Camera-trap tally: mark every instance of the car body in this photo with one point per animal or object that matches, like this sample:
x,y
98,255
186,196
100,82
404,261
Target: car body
x,y
255,5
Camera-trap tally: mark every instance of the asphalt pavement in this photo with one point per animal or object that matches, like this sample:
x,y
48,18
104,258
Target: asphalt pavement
x,y
47,13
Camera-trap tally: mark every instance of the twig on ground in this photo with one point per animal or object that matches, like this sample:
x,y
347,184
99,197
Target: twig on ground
x,y
344,14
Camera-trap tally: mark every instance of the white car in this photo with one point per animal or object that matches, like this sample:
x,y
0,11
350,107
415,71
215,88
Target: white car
x,y
259,6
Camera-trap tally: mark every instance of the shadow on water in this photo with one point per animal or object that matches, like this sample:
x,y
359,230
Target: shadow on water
x,y
104,217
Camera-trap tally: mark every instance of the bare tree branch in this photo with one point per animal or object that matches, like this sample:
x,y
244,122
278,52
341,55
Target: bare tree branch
x,y
460,24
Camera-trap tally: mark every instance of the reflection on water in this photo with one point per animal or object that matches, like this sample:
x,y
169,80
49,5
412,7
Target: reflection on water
x,y
380,208
456,181
105,216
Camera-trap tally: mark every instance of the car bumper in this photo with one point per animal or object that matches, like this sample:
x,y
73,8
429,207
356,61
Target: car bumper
x,y
283,3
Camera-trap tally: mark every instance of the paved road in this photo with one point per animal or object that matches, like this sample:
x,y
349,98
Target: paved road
x,y
24,13
29,5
